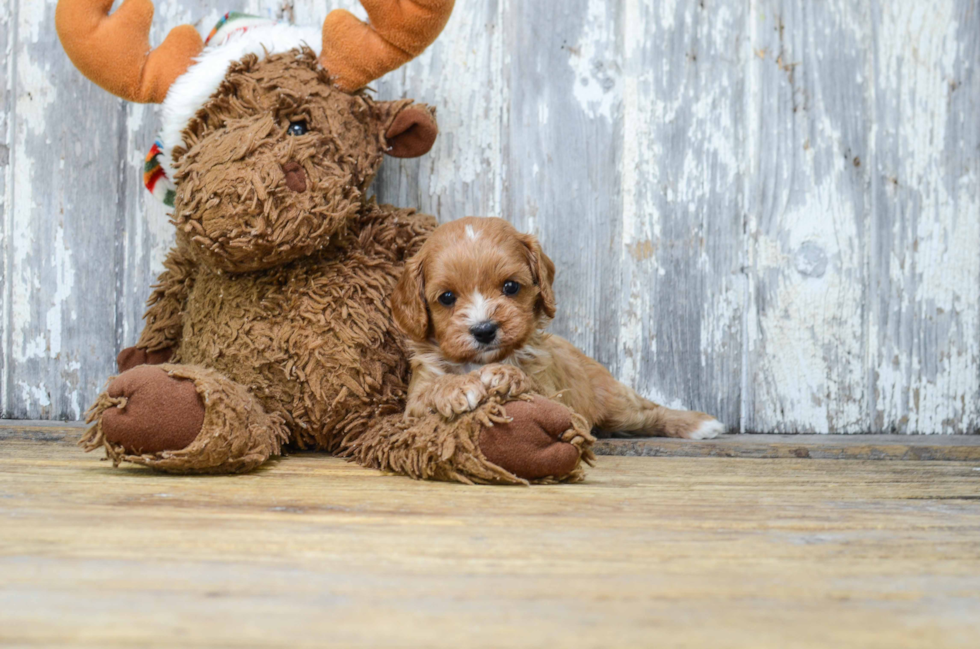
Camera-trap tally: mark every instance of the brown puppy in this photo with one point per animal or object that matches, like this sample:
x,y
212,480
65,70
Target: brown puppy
x,y
474,303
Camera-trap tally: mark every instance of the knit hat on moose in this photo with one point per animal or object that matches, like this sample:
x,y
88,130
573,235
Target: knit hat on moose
x,y
184,71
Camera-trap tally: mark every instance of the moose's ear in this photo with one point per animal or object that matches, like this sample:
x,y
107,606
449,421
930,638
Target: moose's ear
x,y
412,132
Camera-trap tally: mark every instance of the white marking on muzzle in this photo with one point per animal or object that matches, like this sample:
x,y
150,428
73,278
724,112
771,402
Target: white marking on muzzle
x,y
477,311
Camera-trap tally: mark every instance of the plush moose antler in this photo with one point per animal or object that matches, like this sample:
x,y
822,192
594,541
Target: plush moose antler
x,y
114,51
356,53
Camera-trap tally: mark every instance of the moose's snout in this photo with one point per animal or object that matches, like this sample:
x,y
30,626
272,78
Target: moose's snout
x,y
295,176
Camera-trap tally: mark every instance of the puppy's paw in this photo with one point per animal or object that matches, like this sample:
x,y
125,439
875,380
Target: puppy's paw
x,y
455,395
697,425
708,429
504,380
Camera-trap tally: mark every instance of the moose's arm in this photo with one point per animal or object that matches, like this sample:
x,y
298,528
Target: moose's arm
x,y
164,314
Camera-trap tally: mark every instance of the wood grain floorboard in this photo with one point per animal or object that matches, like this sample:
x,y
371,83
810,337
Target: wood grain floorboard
x,y
312,551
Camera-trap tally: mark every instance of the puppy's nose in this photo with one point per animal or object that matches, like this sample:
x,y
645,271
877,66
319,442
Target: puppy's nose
x,y
484,332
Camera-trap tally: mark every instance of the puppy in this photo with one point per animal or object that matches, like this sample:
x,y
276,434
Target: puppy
x,y
474,303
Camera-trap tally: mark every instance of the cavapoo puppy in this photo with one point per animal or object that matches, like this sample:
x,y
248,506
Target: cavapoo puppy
x,y
474,303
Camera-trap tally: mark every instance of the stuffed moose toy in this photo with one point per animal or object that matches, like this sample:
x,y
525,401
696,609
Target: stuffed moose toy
x,y
271,325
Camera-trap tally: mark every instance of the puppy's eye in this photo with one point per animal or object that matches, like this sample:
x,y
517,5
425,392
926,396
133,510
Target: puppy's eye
x,y
297,128
511,287
447,299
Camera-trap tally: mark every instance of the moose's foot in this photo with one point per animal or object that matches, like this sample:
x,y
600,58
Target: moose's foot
x,y
152,411
535,440
543,439
183,419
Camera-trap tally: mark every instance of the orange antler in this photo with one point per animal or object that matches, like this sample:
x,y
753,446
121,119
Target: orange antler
x,y
356,53
114,51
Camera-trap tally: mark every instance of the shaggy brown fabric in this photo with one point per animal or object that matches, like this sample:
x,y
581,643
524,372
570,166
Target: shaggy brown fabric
x,y
164,323
276,303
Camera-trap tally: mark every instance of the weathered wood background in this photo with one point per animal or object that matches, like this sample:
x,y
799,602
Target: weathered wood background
x,y
766,209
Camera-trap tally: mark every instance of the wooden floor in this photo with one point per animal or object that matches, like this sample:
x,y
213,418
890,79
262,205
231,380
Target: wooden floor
x,y
651,551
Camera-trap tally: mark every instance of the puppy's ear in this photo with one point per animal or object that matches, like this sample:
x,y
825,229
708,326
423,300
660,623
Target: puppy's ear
x,y
408,303
543,272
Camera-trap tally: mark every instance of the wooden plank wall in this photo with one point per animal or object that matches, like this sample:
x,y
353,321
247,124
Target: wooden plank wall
x,y
767,209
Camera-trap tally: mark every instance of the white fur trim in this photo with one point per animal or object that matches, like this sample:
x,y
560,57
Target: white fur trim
x,y
193,89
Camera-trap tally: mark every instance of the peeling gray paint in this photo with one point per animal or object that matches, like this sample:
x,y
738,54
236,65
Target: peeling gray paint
x,y
811,260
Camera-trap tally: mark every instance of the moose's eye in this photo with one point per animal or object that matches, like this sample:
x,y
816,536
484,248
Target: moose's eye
x,y
511,287
447,299
297,128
